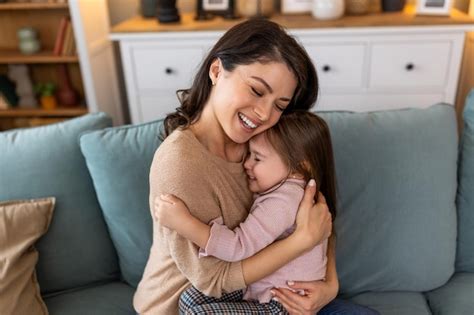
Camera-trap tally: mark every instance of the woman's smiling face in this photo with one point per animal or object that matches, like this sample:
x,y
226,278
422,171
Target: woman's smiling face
x,y
251,98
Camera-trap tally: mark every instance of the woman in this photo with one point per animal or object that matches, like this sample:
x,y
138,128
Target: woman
x,y
253,75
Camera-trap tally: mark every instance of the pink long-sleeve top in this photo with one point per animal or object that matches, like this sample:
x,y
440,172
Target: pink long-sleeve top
x,y
272,217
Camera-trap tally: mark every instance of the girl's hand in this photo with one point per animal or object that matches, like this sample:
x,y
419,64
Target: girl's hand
x,y
317,295
170,211
313,221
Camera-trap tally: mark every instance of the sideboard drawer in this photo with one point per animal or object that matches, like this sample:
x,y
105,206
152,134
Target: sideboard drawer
x,y
166,67
338,66
152,107
411,65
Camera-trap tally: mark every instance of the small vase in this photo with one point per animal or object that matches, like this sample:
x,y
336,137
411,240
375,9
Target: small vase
x,y
328,9
255,8
357,7
48,102
28,40
29,46
66,94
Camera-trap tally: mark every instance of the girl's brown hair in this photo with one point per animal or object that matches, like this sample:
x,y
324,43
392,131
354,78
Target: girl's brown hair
x,y
303,141
255,40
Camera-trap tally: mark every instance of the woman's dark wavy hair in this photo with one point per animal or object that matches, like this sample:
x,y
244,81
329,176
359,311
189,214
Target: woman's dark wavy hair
x,y
255,40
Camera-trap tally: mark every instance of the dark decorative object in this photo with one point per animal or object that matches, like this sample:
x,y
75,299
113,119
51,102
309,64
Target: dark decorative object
x,y
393,5
148,8
167,12
7,90
207,9
66,94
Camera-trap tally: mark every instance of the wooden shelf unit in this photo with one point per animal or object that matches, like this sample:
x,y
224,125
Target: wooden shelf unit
x,y
14,56
45,18
32,6
38,112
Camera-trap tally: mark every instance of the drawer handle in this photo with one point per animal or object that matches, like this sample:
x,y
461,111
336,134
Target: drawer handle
x,y
326,68
169,71
410,66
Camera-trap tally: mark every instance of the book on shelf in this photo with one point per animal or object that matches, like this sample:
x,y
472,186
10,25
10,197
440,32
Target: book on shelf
x,y
61,32
64,43
68,38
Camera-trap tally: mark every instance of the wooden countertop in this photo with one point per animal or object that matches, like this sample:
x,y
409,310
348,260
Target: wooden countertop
x,y
139,24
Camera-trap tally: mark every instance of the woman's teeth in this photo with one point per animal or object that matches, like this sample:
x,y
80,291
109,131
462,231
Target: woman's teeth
x,y
247,121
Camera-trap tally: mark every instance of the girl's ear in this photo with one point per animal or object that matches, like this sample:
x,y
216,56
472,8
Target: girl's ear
x,y
215,70
305,165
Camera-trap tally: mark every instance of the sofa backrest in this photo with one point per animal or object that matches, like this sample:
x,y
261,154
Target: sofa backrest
x,y
396,173
46,161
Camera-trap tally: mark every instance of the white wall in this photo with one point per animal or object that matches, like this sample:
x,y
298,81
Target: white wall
x,y
121,10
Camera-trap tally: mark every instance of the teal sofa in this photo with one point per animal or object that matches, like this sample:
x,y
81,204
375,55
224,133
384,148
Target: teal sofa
x,y
405,224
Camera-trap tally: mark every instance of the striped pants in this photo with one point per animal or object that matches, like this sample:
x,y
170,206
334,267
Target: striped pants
x,y
193,302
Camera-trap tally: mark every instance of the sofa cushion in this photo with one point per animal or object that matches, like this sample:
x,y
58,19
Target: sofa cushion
x,y
465,196
47,161
395,303
455,297
119,161
396,173
113,298
22,223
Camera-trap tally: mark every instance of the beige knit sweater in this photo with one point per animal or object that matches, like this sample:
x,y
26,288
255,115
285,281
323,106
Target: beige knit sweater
x,y
210,187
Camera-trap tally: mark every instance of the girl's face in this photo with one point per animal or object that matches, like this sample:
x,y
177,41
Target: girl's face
x,y
263,165
251,98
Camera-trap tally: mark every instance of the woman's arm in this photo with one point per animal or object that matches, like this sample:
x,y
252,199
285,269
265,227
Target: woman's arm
x,y
313,224
318,293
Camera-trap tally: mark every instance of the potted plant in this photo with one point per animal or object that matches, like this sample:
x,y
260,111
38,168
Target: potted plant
x,y
45,91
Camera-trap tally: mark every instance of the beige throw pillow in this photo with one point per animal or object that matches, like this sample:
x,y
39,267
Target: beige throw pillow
x,y
22,223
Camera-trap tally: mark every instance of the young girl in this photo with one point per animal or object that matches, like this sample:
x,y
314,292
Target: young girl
x,y
279,163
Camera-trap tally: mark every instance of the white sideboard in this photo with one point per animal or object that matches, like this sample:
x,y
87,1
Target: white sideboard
x,y
359,68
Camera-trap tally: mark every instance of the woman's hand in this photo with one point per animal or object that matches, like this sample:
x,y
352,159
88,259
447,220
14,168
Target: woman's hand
x,y
317,295
313,221
170,211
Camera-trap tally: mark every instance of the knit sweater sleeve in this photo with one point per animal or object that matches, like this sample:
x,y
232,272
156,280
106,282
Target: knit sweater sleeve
x,y
270,217
176,170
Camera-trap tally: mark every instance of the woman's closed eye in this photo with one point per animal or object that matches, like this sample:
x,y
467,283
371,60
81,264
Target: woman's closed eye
x,y
280,108
259,94
256,92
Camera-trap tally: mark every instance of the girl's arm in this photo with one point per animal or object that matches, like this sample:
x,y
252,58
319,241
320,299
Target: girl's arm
x,y
313,224
267,221
172,212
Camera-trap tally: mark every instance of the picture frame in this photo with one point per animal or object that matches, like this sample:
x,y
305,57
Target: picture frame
x,y
433,7
207,9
